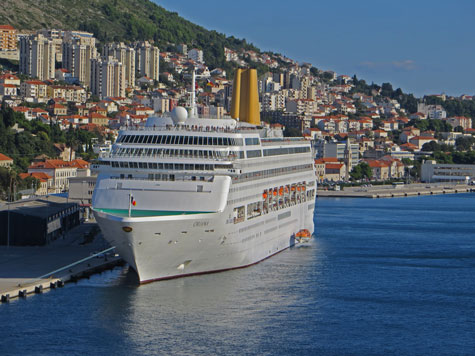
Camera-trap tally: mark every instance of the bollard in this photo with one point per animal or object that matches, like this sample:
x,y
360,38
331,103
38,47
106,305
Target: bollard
x,y
5,298
22,293
60,284
39,289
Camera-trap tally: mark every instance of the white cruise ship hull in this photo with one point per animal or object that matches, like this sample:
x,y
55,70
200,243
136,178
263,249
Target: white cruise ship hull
x,y
166,247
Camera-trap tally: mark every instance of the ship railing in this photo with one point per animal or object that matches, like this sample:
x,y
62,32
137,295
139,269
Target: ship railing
x,y
177,177
227,158
283,141
192,128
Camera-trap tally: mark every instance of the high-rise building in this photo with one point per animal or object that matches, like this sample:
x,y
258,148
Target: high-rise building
x,y
78,50
56,36
147,60
8,38
37,57
125,55
77,59
107,77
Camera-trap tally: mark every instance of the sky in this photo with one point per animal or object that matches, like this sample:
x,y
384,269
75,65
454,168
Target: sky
x,y
421,46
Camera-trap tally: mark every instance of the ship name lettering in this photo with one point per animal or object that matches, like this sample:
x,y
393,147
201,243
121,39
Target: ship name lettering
x,y
200,223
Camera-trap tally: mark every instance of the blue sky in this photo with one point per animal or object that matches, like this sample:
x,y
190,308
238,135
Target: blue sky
x,y
424,47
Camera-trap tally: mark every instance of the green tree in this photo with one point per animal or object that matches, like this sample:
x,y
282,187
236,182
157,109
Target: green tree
x,y
430,146
361,170
465,143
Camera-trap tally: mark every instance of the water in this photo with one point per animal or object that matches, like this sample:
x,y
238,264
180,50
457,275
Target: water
x,y
383,277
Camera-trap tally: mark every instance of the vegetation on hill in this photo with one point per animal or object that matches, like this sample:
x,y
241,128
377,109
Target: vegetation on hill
x,y
454,107
33,138
120,20
407,101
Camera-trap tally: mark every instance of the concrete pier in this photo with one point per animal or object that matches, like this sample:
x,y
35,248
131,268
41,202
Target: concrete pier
x,y
21,267
390,191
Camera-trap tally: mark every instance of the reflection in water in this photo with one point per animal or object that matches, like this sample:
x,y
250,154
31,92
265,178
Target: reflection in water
x,y
217,311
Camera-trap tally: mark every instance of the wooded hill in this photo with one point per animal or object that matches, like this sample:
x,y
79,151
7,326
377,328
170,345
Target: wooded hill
x,y
119,20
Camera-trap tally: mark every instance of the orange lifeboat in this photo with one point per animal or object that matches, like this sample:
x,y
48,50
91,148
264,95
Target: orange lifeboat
x,y
303,236
264,195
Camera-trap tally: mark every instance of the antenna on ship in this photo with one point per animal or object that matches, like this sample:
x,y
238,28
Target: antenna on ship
x,y
194,110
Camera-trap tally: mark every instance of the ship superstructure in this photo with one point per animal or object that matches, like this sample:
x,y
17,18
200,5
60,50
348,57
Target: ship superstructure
x,y
183,196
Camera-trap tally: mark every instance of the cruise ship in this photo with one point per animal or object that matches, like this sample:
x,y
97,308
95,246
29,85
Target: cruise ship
x,y
184,195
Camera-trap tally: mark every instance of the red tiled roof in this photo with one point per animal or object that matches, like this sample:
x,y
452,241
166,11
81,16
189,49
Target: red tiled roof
x,y
57,163
95,115
421,138
333,166
41,176
5,158
326,160
35,82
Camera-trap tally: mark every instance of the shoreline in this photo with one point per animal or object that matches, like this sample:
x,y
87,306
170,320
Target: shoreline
x,y
390,191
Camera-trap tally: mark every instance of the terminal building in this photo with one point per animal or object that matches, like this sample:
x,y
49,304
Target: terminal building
x,y
36,222
456,173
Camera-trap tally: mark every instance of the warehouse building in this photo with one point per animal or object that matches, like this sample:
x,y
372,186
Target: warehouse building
x,y
36,222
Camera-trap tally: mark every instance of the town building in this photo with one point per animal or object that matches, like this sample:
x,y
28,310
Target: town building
x,y
78,51
5,161
37,57
45,185
61,171
196,55
8,38
36,222
80,191
325,149
125,55
147,60
438,172
107,77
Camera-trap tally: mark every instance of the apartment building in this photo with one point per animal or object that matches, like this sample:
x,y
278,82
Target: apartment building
x,y
147,60
37,57
107,77
125,55
35,89
8,38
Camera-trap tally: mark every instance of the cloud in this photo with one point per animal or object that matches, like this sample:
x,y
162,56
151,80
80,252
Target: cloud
x,y
406,65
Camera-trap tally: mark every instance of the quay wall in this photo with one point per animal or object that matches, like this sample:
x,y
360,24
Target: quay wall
x,y
390,191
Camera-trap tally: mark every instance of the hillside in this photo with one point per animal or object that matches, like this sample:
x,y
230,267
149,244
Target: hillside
x,y
118,20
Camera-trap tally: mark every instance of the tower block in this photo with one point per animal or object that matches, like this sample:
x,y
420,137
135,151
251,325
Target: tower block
x,y
245,105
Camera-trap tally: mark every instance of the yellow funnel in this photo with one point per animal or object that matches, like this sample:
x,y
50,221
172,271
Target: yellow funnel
x,y
236,94
245,105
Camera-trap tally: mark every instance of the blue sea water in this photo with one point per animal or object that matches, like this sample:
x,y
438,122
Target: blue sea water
x,y
382,277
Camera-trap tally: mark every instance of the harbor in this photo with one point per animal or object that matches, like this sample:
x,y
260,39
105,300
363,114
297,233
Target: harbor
x,y
32,270
396,190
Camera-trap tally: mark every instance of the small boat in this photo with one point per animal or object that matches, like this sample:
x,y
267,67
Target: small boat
x,y
303,236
